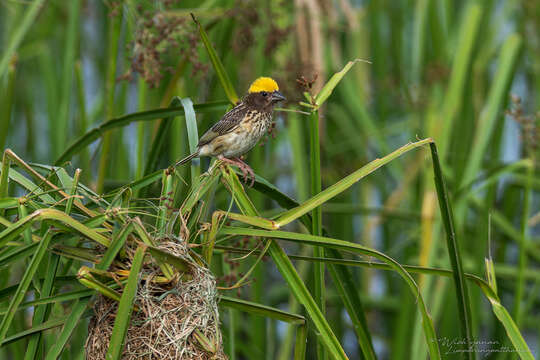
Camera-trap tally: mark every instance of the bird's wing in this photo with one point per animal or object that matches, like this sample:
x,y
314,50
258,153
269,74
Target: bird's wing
x,y
227,123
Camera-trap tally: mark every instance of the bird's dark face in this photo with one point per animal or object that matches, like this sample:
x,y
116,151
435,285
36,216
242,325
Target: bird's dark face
x,y
264,100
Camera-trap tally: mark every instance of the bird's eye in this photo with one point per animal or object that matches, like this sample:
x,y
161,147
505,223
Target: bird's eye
x,y
264,93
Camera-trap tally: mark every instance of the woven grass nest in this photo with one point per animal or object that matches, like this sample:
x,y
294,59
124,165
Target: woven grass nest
x,y
177,320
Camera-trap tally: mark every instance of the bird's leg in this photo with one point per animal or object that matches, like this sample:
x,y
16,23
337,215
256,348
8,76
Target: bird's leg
x,y
245,168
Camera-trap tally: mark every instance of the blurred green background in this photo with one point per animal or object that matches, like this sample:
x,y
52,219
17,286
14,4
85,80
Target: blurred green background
x,y
464,72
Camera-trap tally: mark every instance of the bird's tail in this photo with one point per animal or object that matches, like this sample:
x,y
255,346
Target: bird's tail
x,y
187,158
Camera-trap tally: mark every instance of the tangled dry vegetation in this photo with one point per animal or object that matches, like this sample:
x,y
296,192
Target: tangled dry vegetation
x,y
176,320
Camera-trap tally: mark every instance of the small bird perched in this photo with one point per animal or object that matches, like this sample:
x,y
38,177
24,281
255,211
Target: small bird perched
x,y
241,128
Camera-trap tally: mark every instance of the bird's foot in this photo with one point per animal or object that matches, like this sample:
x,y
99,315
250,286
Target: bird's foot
x,y
247,171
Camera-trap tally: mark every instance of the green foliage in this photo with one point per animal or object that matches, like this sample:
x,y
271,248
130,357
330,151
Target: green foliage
x,y
348,184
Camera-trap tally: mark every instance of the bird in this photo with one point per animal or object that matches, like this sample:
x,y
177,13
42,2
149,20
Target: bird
x,y
239,130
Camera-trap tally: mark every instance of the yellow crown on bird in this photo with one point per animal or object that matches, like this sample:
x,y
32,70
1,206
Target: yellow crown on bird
x,y
263,84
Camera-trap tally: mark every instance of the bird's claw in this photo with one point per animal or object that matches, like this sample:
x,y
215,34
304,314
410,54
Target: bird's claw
x,y
247,171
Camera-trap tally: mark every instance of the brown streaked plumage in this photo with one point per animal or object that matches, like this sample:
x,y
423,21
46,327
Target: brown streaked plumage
x,y
241,128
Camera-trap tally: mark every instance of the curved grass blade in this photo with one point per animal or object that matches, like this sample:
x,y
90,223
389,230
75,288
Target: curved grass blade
x,y
346,287
218,65
125,120
21,252
327,89
50,214
30,186
42,180
504,317
193,136
34,330
125,308
342,185
429,330
67,296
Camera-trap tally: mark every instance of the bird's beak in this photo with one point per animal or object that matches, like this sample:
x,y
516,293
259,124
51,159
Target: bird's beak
x,y
277,96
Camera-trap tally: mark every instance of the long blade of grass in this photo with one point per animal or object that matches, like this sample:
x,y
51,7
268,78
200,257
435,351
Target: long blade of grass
x,y
124,120
18,178
18,34
44,181
300,343
117,243
70,323
262,310
71,42
24,283
7,102
495,101
125,308
4,176
454,253
523,245
114,25
342,185
42,312
193,136
319,289
458,78
348,292
51,324
67,296
50,214
504,317
217,64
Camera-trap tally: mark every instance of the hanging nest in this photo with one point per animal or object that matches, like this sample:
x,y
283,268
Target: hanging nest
x,y
176,320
